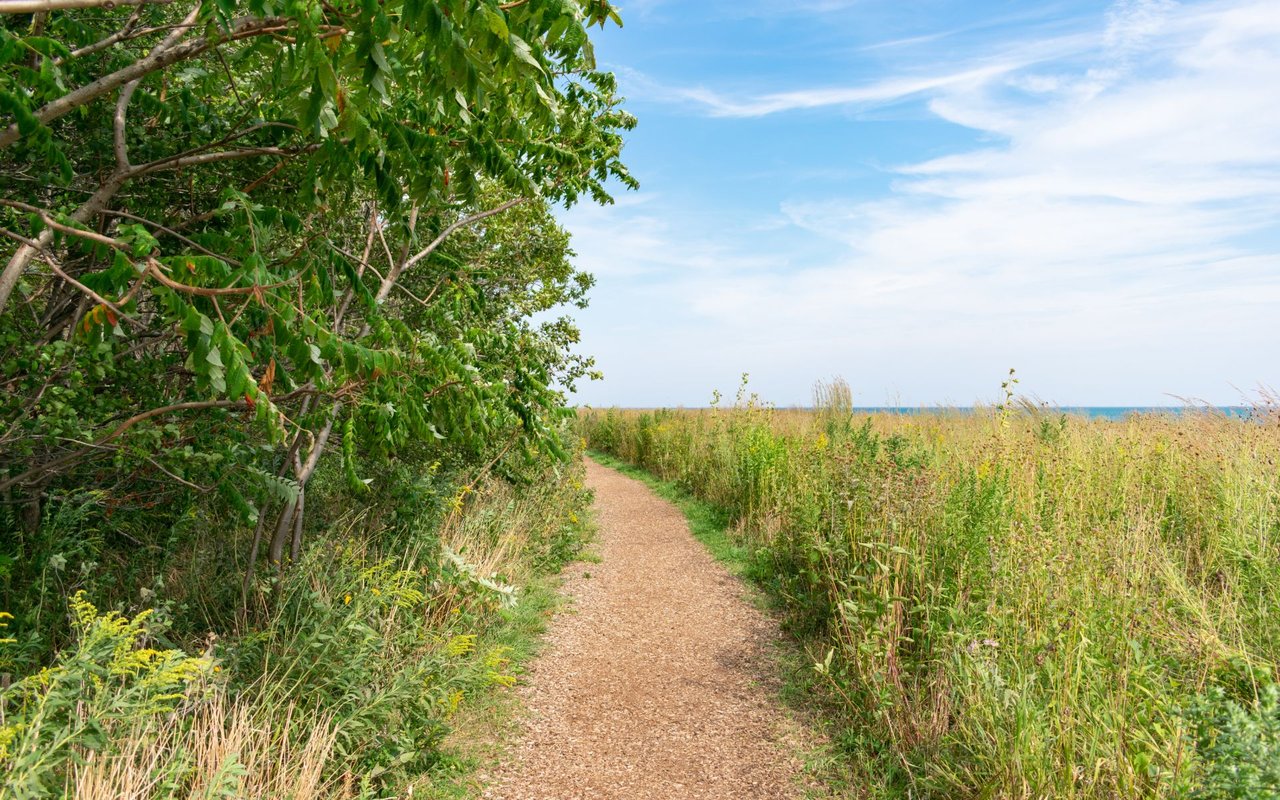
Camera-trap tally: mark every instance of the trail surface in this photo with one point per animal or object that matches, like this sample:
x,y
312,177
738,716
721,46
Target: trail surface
x,y
656,684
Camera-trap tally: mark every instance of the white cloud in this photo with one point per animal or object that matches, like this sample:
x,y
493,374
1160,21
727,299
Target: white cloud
x,y
876,93
1133,23
942,78
1125,234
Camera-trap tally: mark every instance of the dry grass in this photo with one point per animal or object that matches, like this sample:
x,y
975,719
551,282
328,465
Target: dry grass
x,y
1016,603
222,749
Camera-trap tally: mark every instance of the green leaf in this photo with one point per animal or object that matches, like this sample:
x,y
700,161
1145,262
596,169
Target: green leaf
x,y
497,23
521,50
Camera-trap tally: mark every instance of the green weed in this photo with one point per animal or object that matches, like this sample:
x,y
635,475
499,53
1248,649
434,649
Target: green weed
x,y
1005,603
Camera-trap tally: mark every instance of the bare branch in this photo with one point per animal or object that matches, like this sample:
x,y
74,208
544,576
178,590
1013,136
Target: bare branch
x,y
366,265
394,274
115,212
156,61
54,224
154,269
119,125
48,468
53,265
39,6
127,32
183,481
341,314
54,465
180,161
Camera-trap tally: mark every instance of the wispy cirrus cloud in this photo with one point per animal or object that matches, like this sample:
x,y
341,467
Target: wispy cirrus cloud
x,y
876,93
1131,27
1118,229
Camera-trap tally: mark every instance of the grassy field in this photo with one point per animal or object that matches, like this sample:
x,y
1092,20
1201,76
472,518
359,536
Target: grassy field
x,y
1014,602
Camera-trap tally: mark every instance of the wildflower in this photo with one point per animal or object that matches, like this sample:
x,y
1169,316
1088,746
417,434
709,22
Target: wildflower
x,y
376,592
347,600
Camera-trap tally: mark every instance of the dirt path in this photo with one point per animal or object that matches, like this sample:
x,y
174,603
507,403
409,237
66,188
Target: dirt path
x,y
656,684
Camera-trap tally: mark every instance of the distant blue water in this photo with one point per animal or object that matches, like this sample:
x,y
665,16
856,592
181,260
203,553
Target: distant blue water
x,y
1092,412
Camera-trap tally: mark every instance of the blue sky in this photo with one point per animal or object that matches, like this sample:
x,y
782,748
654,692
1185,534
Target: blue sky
x,y
919,196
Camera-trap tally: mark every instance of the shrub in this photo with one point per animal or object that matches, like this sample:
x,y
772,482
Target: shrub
x,y
1237,745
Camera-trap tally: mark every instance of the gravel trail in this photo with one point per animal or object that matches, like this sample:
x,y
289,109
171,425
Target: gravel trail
x,y
657,682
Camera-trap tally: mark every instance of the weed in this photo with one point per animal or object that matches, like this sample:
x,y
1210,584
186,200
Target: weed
x,y
1009,602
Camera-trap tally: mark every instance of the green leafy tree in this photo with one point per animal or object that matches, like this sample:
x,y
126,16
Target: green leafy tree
x,y
244,232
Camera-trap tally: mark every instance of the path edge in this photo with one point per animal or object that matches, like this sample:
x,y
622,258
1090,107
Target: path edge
x,y
824,772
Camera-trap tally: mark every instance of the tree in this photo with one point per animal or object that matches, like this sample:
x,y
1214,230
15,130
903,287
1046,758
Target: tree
x,y
244,230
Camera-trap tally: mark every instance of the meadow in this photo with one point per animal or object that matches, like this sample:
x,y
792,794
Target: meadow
x,y
1014,602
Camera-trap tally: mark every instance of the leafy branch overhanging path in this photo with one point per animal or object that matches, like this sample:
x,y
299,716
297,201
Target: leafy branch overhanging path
x,y
657,683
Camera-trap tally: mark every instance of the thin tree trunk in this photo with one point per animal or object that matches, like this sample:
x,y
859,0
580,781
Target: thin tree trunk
x,y
286,524
289,524
254,550
295,549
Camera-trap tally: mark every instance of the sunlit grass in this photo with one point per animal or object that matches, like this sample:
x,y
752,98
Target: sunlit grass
x,y
1007,603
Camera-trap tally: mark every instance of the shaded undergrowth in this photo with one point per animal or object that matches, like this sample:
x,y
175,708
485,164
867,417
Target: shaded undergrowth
x,y
342,681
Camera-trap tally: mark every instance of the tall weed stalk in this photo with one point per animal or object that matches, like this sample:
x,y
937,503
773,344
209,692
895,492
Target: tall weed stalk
x,y
1012,602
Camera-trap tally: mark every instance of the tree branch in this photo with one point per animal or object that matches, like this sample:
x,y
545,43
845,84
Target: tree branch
x,y
53,265
153,268
21,259
394,275
49,467
37,6
115,212
52,466
102,44
69,102
180,161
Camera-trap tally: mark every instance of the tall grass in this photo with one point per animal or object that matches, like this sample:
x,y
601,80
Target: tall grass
x,y
1008,603
341,684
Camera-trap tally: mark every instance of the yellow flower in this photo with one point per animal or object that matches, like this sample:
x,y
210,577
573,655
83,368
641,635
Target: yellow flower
x,y
376,592
461,644
347,600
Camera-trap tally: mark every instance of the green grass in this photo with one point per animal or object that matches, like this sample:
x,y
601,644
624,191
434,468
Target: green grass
x,y
484,728
1011,603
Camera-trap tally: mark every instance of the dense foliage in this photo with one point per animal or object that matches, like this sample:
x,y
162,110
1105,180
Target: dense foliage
x,y
345,688
271,264
1014,602
245,235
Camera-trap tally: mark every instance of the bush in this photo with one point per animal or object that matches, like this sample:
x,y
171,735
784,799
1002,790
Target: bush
x,y
1237,745
343,683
